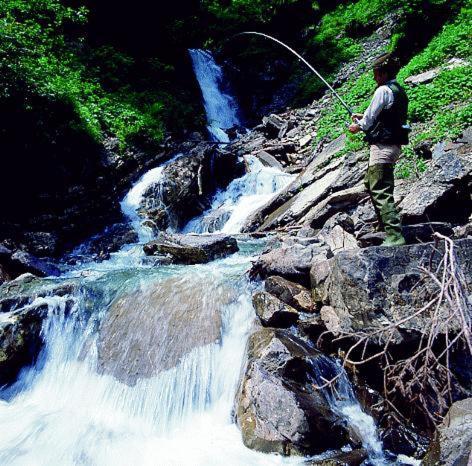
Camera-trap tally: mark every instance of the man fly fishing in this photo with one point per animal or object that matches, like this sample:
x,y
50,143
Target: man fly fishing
x,y
384,123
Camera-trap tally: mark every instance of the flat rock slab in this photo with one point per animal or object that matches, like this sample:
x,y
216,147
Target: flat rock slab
x,y
192,249
423,78
150,330
269,160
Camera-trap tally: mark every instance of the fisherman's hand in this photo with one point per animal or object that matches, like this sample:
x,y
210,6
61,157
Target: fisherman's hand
x,y
354,128
356,117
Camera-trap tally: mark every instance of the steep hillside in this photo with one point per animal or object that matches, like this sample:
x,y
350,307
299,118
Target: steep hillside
x,y
91,92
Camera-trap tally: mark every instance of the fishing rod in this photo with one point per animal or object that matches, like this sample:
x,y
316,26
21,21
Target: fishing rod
x,y
311,67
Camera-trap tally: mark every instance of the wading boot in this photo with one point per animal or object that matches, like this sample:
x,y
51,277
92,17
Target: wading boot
x,y
392,225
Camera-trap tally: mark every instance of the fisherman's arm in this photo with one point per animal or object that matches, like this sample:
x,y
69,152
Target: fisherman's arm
x,y
383,98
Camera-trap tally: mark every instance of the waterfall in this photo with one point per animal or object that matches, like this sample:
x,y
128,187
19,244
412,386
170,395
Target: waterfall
x,y
231,208
221,108
67,410
63,411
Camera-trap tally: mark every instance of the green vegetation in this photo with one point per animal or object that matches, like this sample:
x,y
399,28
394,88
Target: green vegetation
x,y
43,51
438,110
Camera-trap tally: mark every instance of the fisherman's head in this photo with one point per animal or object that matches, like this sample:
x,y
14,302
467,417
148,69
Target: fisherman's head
x,y
386,68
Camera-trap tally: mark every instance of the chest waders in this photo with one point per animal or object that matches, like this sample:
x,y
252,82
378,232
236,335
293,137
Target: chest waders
x,y
379,182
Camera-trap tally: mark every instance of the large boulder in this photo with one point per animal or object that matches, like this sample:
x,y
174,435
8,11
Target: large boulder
x,y
278,408
443,193
192,249
373,287
150,330
188,184
452,443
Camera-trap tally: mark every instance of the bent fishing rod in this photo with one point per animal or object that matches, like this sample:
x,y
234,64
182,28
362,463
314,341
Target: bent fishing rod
x,y
311,67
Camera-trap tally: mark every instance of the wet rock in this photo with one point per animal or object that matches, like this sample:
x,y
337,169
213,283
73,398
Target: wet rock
x,y
24,305
452,443
291,293
398,436
20,340
215,220
112,239
373,287
23,262
192,249
443,192
150,330
278,409
272,312
188,184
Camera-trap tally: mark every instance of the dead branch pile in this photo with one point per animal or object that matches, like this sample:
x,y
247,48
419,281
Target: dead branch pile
x,y
424,378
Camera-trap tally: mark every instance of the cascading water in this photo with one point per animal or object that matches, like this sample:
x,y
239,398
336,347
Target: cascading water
x,y
69,410
132,201
231,208
220,106
64,412
343,401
